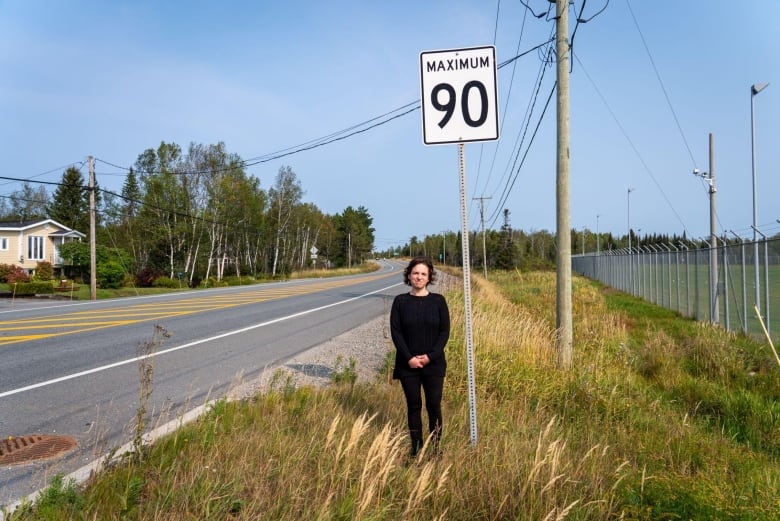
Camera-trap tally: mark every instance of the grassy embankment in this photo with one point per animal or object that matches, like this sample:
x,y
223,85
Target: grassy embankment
x,y
659,418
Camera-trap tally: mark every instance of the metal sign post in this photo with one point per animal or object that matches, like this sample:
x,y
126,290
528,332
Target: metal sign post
x,y
460,104
464,227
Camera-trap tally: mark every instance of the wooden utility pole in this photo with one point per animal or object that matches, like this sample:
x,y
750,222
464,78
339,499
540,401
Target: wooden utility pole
x,y
482,219
563,321
92,261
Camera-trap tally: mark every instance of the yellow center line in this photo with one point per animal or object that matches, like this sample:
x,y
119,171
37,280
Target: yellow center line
x,y
92,320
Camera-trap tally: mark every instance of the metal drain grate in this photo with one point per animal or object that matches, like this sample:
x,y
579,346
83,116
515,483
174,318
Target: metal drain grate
x,y
15,450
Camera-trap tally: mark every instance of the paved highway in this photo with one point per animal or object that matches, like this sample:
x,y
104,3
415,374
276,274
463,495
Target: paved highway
x,y
72,368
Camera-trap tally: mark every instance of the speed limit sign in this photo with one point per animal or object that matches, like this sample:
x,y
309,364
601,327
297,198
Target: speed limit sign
x,y
459,95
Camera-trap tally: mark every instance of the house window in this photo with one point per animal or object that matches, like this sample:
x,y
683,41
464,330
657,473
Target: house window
x,y
4,243
35,247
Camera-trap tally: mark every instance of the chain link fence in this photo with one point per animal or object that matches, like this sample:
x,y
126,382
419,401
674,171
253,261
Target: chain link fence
x,y
723,285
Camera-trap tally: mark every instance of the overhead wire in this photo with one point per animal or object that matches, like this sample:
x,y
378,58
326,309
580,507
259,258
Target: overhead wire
x,y
332,137
520,139
308,145
527,149
58,169
660,81
628,139
544,59
504,112
529,108
482,145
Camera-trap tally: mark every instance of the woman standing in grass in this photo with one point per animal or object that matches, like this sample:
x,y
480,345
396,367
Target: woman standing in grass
x,y
420,328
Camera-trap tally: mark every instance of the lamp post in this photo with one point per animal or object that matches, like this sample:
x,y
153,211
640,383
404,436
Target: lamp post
x,y
755,89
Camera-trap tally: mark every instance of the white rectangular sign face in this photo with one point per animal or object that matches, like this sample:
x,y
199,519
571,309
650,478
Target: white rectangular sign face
x,y
459,95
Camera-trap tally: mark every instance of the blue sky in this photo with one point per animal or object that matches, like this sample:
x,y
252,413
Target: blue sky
x,y
111,79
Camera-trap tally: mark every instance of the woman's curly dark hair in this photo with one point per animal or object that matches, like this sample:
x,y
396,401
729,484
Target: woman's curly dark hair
x,y
414,262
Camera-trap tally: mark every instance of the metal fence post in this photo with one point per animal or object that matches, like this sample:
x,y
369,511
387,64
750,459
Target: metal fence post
x,y
687,280
676,274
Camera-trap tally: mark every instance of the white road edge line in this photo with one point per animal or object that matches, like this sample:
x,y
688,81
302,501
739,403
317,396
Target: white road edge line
x,y
183,346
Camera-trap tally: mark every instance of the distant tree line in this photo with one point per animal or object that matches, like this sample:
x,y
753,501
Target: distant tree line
x,y
197,215
509,249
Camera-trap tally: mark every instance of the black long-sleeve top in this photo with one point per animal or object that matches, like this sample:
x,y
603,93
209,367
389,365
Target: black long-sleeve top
x,y
419,326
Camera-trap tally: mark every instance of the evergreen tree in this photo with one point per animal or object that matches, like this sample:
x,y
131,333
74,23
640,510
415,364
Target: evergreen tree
x,y
356,236
131,195
506,258
70,202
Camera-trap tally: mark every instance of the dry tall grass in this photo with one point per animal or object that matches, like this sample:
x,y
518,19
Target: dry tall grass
x,y
622,435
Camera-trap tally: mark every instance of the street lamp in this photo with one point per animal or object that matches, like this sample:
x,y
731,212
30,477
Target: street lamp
x,y
755,89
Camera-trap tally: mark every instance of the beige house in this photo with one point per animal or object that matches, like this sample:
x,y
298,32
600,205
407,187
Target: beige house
x,y
26,243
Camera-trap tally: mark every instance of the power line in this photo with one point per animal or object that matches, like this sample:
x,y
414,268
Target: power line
x,y
28,180
330,138
660,81
529,108
630,142
527,149
504,112
545,59
521,139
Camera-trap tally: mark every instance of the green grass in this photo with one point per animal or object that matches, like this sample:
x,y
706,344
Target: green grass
x,y
693,298
659,418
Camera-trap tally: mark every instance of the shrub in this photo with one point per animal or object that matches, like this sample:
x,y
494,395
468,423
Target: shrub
x,y
165,282
211,282
33,288
110,274
44,271
345,372
128,280
11,273
146,277
233,280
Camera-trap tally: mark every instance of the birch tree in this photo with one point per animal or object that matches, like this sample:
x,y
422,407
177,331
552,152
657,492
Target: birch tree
x,y
285,195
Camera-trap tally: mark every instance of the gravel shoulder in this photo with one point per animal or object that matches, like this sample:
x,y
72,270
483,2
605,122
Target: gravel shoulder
x,y
368,344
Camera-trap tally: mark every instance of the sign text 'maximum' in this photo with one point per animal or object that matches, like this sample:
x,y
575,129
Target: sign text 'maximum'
x,y
457,64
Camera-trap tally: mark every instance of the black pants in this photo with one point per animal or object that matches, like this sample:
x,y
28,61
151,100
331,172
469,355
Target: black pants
x,y
432,386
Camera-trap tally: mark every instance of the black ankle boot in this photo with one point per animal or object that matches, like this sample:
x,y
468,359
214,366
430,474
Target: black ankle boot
x,y
417,446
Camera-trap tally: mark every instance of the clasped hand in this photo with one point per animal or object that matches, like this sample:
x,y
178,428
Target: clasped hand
x,y
419,361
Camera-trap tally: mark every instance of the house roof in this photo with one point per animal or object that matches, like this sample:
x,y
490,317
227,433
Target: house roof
x,y
63,231
68,233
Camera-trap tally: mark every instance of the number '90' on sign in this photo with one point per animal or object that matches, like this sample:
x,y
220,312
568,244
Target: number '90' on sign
x,y
459,97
